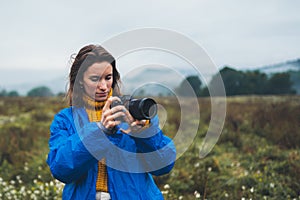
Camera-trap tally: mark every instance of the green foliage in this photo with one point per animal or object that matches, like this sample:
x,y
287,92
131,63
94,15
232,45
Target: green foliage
x,y
41,91
295,78
256,157
280,83
237,82
190,86
249,161
24,133
13,93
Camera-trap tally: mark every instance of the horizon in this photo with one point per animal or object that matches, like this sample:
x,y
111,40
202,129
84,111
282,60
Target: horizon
x,y
48,76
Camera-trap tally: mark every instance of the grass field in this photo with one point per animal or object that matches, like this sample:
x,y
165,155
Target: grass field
x,y
256,157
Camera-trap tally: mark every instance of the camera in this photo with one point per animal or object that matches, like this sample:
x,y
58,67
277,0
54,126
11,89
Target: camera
x,y
144,108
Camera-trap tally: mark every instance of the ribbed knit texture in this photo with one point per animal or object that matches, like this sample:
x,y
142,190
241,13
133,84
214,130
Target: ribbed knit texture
x,y
94,112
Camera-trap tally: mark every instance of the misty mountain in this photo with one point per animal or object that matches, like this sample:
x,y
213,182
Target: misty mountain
x,y
155,81
293,65
147,80
23,80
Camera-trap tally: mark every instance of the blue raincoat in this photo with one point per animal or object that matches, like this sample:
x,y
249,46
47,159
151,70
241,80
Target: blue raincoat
x,y
76,145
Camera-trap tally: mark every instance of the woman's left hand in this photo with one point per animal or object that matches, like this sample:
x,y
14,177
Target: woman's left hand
x,y
135,126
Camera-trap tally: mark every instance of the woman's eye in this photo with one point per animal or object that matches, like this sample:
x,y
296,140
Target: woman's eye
x,y
94,78
108,77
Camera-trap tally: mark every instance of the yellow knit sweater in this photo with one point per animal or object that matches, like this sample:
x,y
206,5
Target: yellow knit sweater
x,y
94,111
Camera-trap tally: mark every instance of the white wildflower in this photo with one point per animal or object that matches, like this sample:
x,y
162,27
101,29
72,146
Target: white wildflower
x,y
165,192
32,196
167,186
36,192
197,194
22,189
26,168
51,183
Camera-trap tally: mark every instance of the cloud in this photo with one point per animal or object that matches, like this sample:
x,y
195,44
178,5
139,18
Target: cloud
x,y
39,35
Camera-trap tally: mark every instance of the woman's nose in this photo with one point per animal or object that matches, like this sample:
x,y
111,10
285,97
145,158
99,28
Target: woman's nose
x,y
101,84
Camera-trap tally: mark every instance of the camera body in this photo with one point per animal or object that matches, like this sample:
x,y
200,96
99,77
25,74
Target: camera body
x,y
140,109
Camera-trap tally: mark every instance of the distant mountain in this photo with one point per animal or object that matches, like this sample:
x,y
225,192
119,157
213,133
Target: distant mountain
x,y
153,80
293,65
23,80
148,80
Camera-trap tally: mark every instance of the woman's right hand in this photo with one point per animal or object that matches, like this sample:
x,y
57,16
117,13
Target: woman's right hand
x,y
109,115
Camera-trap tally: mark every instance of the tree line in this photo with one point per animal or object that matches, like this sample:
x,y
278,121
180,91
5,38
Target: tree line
x,y
238,82
40,91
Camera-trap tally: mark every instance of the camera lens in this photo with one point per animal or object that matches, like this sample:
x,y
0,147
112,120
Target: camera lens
x,y
145,108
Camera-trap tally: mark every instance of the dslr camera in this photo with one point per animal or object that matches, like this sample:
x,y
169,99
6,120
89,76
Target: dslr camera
x,y
140,109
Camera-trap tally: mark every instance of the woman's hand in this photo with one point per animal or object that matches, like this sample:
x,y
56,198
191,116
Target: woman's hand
x,y
109,115
112,117
135,126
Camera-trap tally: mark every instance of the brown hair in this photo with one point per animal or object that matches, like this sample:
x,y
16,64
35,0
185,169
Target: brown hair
x,y
86,57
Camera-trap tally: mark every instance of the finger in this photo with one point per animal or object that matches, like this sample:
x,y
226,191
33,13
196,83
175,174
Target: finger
x,y
126,131
111,124
119,108
141,122
110,120
106,114
109,112
128,117
136,125
133,124
116,116
109,102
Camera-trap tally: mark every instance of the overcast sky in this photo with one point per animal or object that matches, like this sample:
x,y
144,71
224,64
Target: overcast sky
x,y
37,34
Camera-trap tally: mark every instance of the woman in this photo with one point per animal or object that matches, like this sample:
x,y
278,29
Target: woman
x,y
97,155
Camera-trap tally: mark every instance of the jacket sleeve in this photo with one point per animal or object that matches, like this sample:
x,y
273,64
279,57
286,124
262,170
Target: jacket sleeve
x,y
72,151
158,151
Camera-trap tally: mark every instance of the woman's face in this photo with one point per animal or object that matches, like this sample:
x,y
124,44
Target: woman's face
x,y
97,80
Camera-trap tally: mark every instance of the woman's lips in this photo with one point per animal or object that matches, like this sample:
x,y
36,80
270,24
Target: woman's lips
x,y
102,94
